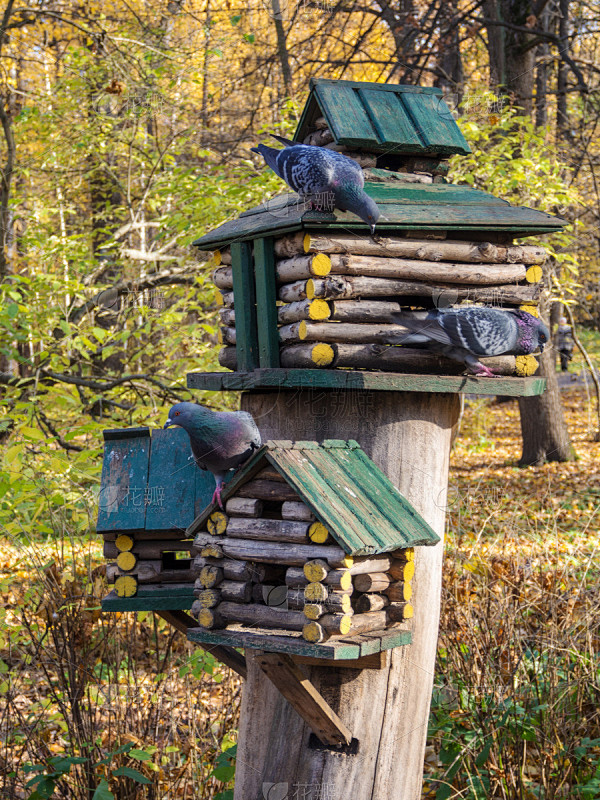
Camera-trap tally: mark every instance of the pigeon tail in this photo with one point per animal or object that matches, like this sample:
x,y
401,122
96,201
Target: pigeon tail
x,y
282,140
270,156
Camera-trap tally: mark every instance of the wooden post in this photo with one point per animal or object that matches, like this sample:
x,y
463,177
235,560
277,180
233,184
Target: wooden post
x,y
408,436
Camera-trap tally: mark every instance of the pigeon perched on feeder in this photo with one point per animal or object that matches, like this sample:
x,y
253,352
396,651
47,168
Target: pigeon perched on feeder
x,y
468,334
220,440
324,177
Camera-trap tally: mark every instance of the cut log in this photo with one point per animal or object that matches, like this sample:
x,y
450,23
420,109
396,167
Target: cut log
x,y
398,612
374,311
399,592
236,591
321,593
342,287
209,576
333,332
267,490
316,570
296,510
295,555
366,564
319,138
270,530
372,582
227,358
270,474
226,336
262,616
227,316
150,549
126,561
244,507
306,355
370,602
329,625
447,250
336,578
303,267
363,623
318,533
123,542
407,554
223,278
302,309
402,570
225,256
112,573
225,299
127,586
153,572
208,598
217,523
211,550
414,270
207,617
334,603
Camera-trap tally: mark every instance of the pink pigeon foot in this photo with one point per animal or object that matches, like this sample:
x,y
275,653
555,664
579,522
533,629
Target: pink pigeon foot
x,y
483,370
216,498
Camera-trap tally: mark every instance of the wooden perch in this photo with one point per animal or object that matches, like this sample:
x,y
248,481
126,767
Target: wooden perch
x,y
371,602
262,616
332,332
277,552
303,309
296,510
244,507
447,250
372,582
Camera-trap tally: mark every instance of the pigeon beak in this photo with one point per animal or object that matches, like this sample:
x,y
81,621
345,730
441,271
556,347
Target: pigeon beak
x,y
372,229
167,423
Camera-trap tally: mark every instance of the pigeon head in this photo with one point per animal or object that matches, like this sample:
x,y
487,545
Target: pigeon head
x,y
533,333
353,198
186,415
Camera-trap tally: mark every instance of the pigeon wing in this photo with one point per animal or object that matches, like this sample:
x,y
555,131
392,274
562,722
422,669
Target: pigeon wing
x,y
482,331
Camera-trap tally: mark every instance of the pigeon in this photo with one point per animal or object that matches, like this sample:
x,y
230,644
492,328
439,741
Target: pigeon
x,y
220,440
468,334
327,178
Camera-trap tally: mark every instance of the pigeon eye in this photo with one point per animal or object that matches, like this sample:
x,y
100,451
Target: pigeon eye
x,y
177,413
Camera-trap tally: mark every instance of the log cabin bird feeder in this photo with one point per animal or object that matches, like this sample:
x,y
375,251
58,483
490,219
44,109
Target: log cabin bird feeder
x,y
307,297
325,564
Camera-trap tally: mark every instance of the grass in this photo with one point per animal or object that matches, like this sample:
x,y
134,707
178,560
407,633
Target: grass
x,y
92,702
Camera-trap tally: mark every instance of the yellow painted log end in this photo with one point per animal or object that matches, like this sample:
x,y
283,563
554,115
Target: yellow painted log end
x,y
306,243
313,611
345,625
219,299
316,592
310,289
217,523
348,561
526,365
534,274
314,572
346,581
206,618
302,330
530,309
322,354
217,258
318,534
126,586
126,561
313,632
321,265
409,570
124,542
319,309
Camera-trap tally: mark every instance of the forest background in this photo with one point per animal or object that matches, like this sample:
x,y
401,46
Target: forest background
x,y
126,133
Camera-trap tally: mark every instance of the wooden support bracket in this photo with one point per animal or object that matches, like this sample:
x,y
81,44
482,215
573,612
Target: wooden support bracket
x,y
228,655
304,698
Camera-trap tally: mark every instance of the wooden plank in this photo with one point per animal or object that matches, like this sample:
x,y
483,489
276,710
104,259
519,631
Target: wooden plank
x,y
159,603
227,655
121,502
372,661
266,302
435,124
346,115
355,379
274,642
245,306
390,119
171,481
304,698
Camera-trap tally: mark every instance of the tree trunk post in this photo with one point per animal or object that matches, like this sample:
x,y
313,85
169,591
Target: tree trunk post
x,y
408,436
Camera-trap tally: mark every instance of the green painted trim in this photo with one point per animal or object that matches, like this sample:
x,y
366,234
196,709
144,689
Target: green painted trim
x,y
245,306
278,379
266,302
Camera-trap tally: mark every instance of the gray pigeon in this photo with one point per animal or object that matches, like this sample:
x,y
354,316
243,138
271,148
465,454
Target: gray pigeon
x,y
327,178
470,333
220,440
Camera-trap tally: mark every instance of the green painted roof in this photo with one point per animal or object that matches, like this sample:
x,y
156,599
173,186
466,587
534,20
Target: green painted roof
x,y
383,118
437,206
352,497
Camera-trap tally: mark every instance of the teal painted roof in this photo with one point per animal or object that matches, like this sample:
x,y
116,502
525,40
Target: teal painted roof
x,y
437,206
352,497
383,118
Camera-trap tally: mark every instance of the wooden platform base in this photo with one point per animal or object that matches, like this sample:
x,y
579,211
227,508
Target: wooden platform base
x,y
355,379
272,641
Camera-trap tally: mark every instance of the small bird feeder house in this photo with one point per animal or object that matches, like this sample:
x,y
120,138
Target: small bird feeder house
x,y
308,297
313,555
150,492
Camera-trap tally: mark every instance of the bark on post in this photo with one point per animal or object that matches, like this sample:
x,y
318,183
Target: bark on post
x,y
408,436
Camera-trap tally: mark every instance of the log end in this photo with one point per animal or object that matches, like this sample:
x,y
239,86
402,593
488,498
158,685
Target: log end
x,y
313,632
526,365
322,354
321,265
319,310
530,309
318,534
126,561
217,523
125,586
123,542
315,571
206,618
534,274
313,611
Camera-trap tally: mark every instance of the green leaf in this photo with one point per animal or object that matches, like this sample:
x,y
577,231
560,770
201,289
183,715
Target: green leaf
x,y
103,792
235,19
140,755
223,773
128,772
249,37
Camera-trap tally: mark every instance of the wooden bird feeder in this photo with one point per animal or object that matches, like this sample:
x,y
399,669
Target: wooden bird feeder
x,y
308,297
317,566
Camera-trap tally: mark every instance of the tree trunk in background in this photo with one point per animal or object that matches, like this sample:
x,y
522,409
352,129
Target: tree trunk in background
x,y
541,76
449,75
511,52
545,434
563,129
408,436
282,49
